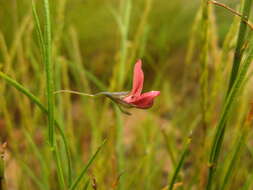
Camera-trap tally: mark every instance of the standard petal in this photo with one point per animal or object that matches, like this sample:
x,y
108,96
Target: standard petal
x,y
137,79
145,100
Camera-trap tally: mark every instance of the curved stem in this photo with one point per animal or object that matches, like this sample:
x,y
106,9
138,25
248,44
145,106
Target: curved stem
x,y
233,89
244,19
74,92
180,163
37,102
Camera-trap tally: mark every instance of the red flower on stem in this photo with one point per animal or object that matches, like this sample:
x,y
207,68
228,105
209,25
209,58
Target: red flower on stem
x,y
135,97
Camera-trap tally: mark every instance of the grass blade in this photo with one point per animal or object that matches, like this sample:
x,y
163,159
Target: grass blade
x,y
84,170
238,148
40,157
220,130
38,27
233,89
240,42
50,90
35,179
86,185
179,165
232,162
35,100
49,73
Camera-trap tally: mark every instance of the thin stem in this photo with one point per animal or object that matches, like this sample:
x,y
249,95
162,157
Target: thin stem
x,y
41,158
30,172
124,29
50,89
86,167
220,130
240,42
49,73
114,96
169,147
180,164
37,102
233,90
232,162
244,19
59,167
38,28
120,149
74,92
237,150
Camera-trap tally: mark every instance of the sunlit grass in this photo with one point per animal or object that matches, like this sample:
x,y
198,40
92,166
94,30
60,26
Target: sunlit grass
x,y
57,140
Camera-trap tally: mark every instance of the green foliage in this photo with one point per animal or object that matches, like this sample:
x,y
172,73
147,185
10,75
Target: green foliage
x,y
196,54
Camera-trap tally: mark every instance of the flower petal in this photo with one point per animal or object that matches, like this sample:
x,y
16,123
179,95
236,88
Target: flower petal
x,y
145,100
137,79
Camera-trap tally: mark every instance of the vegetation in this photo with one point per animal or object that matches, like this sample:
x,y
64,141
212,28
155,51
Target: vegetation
x,y
196,136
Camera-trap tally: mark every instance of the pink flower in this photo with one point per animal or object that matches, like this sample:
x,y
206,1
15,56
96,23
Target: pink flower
x,y
135,98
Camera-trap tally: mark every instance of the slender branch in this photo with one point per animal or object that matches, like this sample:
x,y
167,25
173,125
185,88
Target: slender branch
x,y
74,92
114,96
244,19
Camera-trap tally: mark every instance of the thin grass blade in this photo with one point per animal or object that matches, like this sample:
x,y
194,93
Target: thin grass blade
x,y
84,170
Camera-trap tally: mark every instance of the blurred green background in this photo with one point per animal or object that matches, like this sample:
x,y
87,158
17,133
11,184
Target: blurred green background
x,y
95,46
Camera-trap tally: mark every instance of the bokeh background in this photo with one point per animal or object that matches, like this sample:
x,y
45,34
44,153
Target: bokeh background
x,y
95,46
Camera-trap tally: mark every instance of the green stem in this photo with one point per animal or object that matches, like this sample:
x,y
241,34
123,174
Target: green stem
x,y
120,149
75,92
124,29
234,86
232,162
220,130
50,90
86,167
169,147
38,28
59,167
180,164
49,73
240,141
41,158
35,100
240,42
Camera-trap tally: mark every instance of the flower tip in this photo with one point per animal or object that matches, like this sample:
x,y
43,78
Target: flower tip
x,y
155,93
138,62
